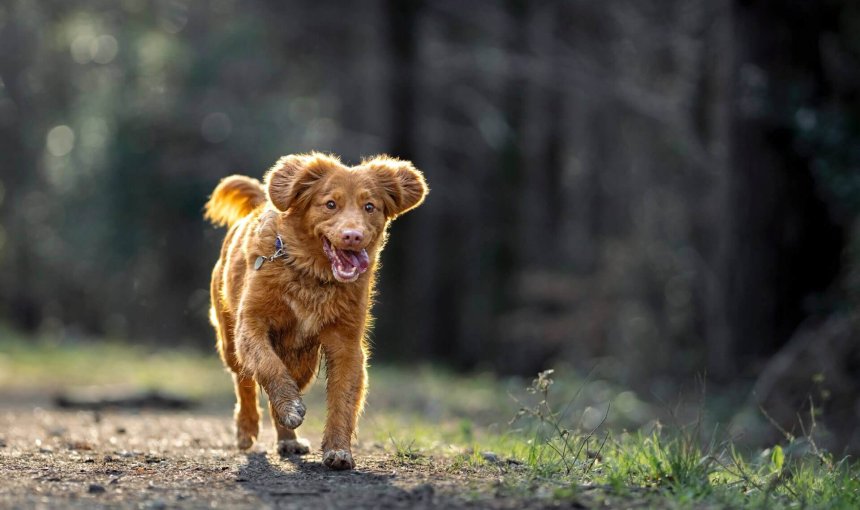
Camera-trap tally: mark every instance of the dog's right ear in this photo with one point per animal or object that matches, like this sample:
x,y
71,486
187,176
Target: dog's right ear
x,y
288,181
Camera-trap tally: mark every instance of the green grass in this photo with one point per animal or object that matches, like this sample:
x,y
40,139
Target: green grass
x,y
40,365
555,437
547,452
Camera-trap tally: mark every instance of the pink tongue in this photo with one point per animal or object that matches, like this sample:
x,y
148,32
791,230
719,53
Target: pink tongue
x,y
363,261
358,259
352,258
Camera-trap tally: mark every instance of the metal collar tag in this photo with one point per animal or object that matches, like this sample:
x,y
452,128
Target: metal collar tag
x,y
279,253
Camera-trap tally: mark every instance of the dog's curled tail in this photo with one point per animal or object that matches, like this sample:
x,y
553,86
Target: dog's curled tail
x,y
233,199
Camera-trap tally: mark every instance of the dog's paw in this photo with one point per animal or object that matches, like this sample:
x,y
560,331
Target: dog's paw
x,y
338,459
246,435
296,446
244,442
291,413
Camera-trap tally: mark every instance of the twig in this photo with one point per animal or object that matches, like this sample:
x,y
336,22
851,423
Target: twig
x,y
821,457
788,436
597,453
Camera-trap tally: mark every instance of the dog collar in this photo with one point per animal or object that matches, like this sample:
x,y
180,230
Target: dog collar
x,y
280,252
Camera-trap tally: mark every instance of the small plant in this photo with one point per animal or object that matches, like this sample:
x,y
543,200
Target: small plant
x,y
405,452
553,447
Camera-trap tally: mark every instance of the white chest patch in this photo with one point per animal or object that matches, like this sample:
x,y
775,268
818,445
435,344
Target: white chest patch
x,y
309,320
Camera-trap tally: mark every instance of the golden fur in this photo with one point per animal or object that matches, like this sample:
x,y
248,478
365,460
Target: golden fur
x,y
273,324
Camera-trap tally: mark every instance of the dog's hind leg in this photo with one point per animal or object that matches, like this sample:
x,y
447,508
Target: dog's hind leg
x,y
247,414
247,411
287,443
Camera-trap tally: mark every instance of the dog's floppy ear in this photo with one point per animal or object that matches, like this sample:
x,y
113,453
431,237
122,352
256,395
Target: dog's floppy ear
x,y
293,175
403,185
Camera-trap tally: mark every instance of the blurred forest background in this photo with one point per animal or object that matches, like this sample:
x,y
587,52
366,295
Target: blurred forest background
x,y
660,188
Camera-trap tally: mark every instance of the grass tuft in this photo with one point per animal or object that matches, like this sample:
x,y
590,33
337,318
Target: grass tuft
x,y
677,465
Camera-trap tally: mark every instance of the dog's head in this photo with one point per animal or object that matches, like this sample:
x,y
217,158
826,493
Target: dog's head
x,y
345,208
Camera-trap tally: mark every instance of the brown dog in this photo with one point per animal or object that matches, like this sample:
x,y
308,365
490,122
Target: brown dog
x,y
295,279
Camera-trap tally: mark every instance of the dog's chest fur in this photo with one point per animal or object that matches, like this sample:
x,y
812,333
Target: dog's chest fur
x,y
316,305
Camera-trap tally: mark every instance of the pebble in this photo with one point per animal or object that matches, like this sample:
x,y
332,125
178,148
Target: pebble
x,y
95,488
490,457
56,431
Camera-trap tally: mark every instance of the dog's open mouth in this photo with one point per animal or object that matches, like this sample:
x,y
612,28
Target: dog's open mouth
x,y
346,265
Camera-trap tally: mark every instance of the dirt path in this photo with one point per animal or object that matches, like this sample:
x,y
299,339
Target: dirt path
x,y
52,459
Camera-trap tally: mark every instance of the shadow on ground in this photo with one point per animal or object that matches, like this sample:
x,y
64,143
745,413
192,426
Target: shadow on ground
x,y
305,481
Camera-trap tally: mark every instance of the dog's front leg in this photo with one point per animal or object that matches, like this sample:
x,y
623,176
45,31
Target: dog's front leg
x,y
345,389
258,358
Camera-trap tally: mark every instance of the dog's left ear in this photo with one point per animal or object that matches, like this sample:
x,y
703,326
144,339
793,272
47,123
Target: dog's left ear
x,y
403,185
292,176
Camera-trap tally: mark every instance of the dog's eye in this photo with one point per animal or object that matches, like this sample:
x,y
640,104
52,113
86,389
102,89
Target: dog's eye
x,y
369,207
330,204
